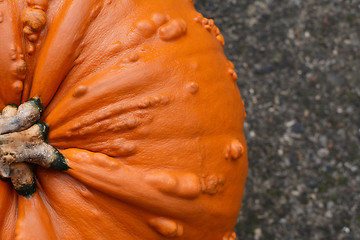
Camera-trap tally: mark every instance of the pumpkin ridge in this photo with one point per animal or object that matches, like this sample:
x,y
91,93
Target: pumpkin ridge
x,y
12,64
33,220
8,203
115,176
64,36
163,188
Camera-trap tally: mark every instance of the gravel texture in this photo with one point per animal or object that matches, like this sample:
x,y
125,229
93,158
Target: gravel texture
x,y
298,63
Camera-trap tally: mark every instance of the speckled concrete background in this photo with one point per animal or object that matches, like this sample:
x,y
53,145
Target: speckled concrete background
x,y
298,63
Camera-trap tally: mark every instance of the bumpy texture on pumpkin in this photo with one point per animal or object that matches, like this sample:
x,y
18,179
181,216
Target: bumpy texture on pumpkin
x,y
142,102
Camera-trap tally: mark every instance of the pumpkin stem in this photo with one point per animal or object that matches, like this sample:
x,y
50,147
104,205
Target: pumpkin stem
x,y
27,114
23,143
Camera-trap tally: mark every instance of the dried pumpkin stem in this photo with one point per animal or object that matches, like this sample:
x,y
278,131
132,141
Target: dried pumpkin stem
x,y
27,114
23,143
23,178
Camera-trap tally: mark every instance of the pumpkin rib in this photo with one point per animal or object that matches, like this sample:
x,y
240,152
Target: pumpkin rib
x,y
12,60
105,85
8,203
106,51
125,183
156,192
54,210
163,188
131,98
75,215
33,47
64,36
33,220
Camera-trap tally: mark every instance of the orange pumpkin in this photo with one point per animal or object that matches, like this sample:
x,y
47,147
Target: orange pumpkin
x,y
142,102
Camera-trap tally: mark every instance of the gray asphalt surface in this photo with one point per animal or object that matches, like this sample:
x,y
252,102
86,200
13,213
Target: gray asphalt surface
x,y
298,63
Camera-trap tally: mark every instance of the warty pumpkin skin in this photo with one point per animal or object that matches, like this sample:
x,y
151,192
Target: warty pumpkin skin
x,y
141,100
